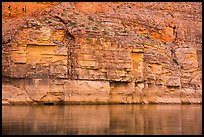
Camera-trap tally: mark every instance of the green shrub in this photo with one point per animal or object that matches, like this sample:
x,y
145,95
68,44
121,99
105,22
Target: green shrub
x,y
72,23
175,61
172,51
95,28
125,31
49,21
90,18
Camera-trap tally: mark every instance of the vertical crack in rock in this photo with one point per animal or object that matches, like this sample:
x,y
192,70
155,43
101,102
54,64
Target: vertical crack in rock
x,y
70,45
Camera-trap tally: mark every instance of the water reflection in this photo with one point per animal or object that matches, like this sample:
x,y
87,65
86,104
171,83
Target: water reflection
x,y
102,119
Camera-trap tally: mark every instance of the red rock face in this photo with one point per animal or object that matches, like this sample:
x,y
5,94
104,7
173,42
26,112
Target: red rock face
x,y
91,7
12,10
110,52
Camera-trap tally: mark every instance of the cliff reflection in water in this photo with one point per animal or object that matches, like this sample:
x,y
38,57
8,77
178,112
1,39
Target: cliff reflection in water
x,y
102,119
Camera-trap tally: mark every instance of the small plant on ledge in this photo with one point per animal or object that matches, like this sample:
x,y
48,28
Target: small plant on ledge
x,y
175,61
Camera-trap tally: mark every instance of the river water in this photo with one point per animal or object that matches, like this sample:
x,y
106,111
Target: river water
x,y
102,120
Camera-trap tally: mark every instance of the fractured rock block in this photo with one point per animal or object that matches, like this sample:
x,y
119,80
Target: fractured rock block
x,y
18,57
173,81
12,94
187,58
86,91
121,92
52,97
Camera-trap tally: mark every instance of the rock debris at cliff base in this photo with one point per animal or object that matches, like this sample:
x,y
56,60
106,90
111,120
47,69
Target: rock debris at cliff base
x,y
101,52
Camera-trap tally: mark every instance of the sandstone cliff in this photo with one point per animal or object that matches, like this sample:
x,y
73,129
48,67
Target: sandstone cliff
x,y
109,52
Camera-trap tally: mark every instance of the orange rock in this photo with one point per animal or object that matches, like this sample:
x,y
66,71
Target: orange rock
x,y
21,9
119,52
167,35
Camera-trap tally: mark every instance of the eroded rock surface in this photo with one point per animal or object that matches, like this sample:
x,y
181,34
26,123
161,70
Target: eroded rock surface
x,y
109,52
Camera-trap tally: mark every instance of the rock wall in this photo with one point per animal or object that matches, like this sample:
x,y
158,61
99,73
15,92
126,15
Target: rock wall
x,y
99,53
